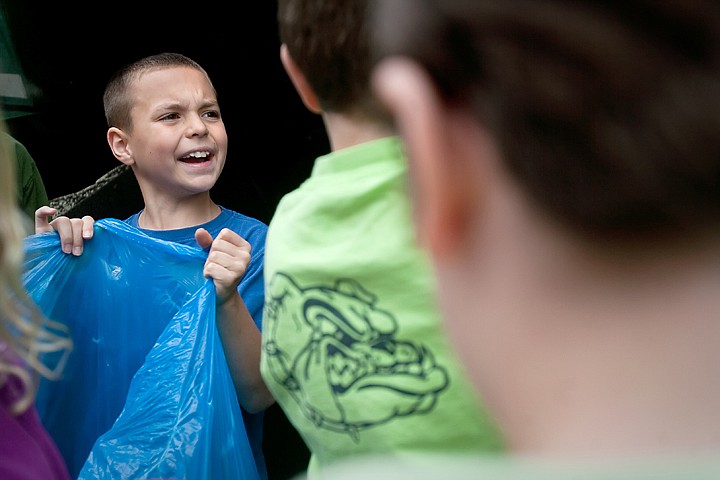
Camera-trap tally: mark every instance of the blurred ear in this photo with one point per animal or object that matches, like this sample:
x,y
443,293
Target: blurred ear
x,y
117,140
298,80
443,164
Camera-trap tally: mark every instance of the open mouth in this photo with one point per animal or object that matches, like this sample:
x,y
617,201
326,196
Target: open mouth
x,y
196,157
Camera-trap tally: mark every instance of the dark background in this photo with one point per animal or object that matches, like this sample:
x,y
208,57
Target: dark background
x,y
68,51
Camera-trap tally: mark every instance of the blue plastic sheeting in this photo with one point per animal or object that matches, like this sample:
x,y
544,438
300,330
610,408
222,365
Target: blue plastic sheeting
x,y
146,392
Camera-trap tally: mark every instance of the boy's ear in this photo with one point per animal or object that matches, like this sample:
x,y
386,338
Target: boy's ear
x,y
463,181
444,182
117,139
299,82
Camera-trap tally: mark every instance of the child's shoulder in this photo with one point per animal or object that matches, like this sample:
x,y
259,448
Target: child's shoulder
x,y
244,225
233,215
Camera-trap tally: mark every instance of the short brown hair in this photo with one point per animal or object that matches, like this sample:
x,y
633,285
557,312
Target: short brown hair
x,y
606,112
116,100
329,42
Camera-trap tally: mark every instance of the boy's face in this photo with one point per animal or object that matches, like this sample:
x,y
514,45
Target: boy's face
x,y
178,140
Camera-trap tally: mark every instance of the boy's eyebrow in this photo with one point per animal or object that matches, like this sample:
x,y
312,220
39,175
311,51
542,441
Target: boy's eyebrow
x,y
211,104
182,106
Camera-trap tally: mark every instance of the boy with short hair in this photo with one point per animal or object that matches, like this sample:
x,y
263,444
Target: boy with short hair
x,y
566,171
353,347
164,122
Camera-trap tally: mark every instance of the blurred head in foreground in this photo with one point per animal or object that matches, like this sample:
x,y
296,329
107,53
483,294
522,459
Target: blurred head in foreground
x,y
565,164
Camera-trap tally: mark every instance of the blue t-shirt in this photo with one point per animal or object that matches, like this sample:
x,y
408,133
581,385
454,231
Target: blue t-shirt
x,y
251,287
251,229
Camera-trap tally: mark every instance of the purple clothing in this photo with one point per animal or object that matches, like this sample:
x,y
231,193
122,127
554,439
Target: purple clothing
x,y
26,450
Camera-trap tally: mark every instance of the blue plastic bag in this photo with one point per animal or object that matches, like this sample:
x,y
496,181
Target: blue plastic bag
x,y
146,392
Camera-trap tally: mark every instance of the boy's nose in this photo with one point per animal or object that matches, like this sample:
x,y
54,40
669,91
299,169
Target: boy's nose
x,y
196,126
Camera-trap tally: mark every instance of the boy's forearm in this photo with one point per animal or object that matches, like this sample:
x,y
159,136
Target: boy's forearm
x,y
241,342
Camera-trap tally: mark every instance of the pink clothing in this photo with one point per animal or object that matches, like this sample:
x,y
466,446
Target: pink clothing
x,y
26,450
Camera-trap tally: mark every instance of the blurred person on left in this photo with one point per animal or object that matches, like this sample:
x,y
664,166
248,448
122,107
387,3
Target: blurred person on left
x,y
27,452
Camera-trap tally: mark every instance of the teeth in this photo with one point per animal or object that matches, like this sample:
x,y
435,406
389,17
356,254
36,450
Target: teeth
x,y
199,154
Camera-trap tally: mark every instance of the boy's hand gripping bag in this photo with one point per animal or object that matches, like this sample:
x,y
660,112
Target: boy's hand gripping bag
x,y
146,392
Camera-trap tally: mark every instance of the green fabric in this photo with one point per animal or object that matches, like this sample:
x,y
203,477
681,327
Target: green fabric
x,y
353,347
498,467
31,193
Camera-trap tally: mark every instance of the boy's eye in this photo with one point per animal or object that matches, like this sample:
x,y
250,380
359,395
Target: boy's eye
x,y
170,116
212,113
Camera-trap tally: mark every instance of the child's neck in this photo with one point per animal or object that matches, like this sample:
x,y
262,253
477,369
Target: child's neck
x,y
180,215
347,131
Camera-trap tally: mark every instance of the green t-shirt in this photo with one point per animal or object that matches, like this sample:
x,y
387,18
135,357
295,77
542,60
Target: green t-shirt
x,y
353,345
31,193
500,467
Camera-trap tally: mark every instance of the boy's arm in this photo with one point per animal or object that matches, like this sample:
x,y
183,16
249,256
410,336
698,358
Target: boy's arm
x,y
73,231
227,261
241,341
